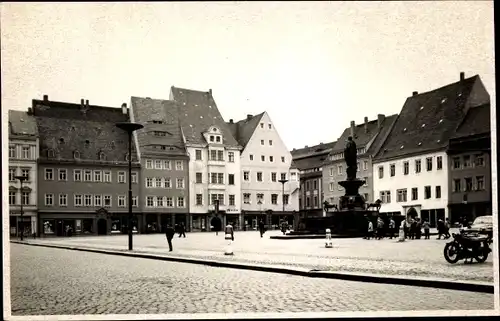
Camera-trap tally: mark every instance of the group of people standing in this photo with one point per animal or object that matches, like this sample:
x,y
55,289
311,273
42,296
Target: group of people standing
x,y
412,228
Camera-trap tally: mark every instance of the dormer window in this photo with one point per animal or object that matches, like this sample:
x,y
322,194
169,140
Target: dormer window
x,y
217,139
87,143
102,156
51,153
270,126
212,139
76,154
215,130
157,121
127,157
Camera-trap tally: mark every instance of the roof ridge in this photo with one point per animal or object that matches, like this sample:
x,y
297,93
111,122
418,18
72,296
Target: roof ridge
x,y
445,86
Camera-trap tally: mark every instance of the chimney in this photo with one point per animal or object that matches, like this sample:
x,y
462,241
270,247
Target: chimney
x,y
415,93
210,91
231,121
462,76
353,124
380,120
87,103
82,103
124,108
366,124
249,116
45,98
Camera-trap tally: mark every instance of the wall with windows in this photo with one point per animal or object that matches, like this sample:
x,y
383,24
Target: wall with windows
x,y
470,178
417,181
85,188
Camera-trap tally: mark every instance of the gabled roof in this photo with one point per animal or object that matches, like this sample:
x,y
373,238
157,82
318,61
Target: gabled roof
x,y
244,129
476,122
21,123
150,112
307,151
428,120
65,128
310,162
197,112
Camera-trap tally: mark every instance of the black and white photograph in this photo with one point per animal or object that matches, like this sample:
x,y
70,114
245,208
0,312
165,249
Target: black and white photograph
x,y
187,160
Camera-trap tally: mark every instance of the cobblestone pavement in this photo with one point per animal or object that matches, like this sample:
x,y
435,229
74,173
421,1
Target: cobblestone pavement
x,y
388,256
56,281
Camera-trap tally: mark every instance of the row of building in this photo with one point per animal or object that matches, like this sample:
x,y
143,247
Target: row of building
x,y
185,160
432,160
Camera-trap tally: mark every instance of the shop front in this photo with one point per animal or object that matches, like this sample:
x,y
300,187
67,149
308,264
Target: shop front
x,y
198,222
26,224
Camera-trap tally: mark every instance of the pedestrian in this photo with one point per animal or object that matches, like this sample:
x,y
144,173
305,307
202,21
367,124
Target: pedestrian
x,y
229,230
283,227
380,228
418,229
413,228
426,226
182,230
447,226
392,227
169,233
261,228
370,229
440,228
404,223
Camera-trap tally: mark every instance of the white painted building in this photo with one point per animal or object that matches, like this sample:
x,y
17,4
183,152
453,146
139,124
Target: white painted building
x,y
23,154
265,160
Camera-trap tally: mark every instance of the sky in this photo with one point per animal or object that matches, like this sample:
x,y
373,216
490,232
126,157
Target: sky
x,y
313,66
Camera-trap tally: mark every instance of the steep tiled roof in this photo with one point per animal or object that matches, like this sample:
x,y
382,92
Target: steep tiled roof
x,y
310,162
20,123
150,112
197,112
428,120
65,128
477,121
319,149
244,129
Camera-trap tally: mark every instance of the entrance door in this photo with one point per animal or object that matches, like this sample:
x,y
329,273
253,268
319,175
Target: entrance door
x,y
59,228
102,227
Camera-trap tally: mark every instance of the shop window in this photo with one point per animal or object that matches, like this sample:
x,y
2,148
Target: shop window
x,y
48,226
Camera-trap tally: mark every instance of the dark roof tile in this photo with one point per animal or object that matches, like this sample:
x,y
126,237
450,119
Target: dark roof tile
x,y
319,149
477,121
244,129
21,123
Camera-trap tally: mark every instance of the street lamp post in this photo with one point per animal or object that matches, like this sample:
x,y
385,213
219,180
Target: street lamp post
x,y
129,128
21,180
283,181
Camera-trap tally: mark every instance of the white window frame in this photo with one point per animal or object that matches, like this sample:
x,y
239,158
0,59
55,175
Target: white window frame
x,y
107,177
51,199
12,151
87,172
158,201
63,172
12,174
158,164
179,199
98,200
47,171
180,183
196,152
247,174
230,157
167,165
167,182
24,149
12,198
148,199
135,178
107,197
169,199
158,182
78,197
196,200
122,177
122,201
98,176
149,163
65,198
148,182
340,169
365,165
179,165
77,172
135,201
88,197
247,200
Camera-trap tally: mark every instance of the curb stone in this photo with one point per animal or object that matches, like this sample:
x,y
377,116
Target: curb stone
x,y
482,287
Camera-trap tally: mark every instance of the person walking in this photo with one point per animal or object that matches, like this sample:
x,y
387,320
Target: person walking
x,y
380,228
182,230
440,228
427,228
447,226
284,226
370,229
418,229
261,227
392,227
169,233
229,230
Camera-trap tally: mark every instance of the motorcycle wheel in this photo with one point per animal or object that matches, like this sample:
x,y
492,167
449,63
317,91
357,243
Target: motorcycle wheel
x,y
451,251
483,256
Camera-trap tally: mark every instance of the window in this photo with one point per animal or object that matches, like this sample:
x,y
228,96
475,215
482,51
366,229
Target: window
x,y
414,194
428,161
230,156
12,174
12,198
393,170
339,169
261,125
385,196
199,178
365,165
273,177
262,142
246,198
149,164
121,177
12,151
427,192
439,162
418,166
457,185
456,162
315,199
134,178
332,171
220,155
49,199
331,187
260,198
270,126
406,168
158,182
246,176
479,160
149,182
170,201
259,176
121,201
199,199
468,184
308,202
213,155
230,179
159,201
179,165
107,201
232,201
135,201
77,175
98,200
315,185
220,178
282,159
271,159
180,200
212,138
217,139
213,178
25,152
198,154
49,174
167,183
274,199
78,199
438,191
263,158
467,162
107,176
402,195
221,199
180,183
270,143
283,176
366,181
158,164
150,201
25,198
380,172
97,176
480,183
88,175
25,172
88,200
251,157
285,199
167,165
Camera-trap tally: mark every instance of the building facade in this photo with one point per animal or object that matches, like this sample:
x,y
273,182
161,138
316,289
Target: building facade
x,y
83,169
23,154
164,191
214,161
411,169
368,138
265,161
469,167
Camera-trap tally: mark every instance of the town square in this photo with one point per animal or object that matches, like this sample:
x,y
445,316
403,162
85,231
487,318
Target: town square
x,y
167,158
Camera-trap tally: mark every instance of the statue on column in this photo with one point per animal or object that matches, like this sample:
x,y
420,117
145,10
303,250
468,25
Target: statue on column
x,y
350,157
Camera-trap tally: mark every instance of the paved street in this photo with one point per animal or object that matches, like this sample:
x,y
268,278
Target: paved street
x,y
413,257
56,281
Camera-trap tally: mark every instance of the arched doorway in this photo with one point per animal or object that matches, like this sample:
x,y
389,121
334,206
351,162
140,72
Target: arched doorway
x,y
412,212
102,227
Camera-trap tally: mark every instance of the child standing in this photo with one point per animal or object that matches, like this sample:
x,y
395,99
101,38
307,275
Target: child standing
x,y
426,227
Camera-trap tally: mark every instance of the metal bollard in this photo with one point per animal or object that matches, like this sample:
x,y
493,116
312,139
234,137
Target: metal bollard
x,y
229,248
401,234
328,241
